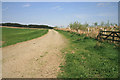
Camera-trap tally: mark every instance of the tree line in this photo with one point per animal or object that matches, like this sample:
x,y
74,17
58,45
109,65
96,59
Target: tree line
x,y
78,26
27,26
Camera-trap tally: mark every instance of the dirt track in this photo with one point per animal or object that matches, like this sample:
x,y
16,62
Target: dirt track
x,y
37,58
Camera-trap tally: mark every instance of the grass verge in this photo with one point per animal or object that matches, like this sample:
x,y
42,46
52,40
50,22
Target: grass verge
x,y
87,58
14,35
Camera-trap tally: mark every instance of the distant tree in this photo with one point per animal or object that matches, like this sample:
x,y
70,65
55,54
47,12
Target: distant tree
x,y
30,26
116,25
95,24
108,24
77,25
86,24
102,23
56,27
111,24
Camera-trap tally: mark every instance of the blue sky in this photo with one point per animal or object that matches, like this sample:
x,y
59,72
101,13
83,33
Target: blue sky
x,y
59,13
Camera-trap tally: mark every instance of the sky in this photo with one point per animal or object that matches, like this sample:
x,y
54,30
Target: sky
x,y
59,13
60,0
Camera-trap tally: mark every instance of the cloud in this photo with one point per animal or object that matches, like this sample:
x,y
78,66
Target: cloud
x,y
107,14
57,8
100,4
26,5
82,15
103,4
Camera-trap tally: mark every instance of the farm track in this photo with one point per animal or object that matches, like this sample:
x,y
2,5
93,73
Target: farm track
x,y
37,58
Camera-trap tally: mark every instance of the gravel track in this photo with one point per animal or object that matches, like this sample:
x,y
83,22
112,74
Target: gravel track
x,y
36,58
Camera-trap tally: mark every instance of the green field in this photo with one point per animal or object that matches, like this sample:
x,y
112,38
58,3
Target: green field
x,y
87,58
14,35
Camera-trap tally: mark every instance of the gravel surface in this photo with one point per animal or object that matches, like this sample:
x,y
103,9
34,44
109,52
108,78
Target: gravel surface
x,y
36,58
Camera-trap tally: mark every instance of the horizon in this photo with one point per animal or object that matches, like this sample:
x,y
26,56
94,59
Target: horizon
x,y
59,13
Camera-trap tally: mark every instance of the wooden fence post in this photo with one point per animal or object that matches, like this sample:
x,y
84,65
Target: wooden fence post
x,y
113,36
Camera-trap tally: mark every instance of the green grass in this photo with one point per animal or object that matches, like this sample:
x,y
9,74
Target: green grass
x,y
87,58
14,35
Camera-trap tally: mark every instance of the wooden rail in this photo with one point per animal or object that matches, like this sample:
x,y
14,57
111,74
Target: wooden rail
x,y
113,36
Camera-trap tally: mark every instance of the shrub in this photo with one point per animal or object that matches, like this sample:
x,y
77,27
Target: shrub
x,y
77,25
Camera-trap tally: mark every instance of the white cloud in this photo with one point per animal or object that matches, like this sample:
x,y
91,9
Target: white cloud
x,y
26,5
57,8
107,14
82,15
103,4
100,4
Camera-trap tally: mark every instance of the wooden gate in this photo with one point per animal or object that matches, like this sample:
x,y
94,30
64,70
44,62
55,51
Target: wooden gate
x,y
113,36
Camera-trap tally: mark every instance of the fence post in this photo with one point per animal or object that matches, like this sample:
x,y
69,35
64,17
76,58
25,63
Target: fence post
x,y
100,35
105,30
113,36
88,30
